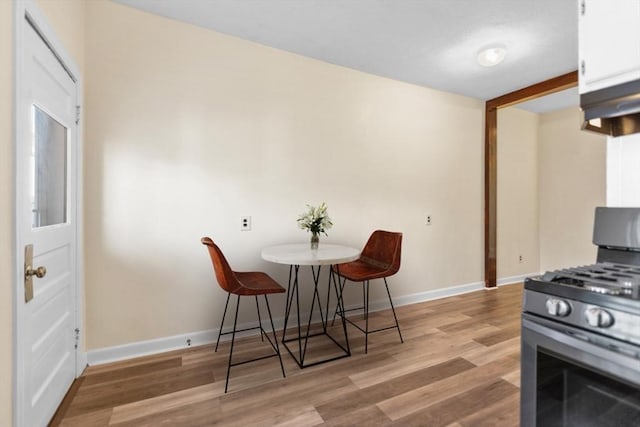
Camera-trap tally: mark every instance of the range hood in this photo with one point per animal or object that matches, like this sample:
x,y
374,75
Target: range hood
x,y
613,111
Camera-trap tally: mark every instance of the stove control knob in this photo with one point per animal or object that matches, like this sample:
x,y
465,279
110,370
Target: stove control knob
x,y
557,307
598,318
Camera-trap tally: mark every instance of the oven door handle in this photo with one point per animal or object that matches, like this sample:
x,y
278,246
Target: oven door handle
x,y
581,341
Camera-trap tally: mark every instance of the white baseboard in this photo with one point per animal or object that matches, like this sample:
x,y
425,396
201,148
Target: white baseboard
x,y
176,342
154,346
515,279
428,295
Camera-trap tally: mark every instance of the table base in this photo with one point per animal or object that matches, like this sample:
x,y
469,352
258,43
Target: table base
x,y
303,336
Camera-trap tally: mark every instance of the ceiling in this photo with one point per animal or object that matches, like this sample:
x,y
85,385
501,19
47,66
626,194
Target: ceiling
x,y
432,43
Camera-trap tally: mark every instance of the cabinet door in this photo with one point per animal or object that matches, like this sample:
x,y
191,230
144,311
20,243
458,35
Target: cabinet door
x,y
609,43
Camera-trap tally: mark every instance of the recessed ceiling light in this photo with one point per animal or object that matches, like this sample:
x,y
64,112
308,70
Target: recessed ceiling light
x,y
491,56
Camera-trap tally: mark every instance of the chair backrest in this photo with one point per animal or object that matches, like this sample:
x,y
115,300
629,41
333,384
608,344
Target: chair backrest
x,y
383,249
225,276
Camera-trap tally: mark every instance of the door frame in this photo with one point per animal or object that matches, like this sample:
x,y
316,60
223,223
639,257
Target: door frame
x,y
538,90
23,10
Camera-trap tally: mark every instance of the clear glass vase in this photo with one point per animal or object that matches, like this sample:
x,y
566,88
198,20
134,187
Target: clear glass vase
x,y
315,240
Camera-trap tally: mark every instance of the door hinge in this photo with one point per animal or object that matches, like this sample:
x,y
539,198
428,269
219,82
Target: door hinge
x,y
77,114
77,331
583,7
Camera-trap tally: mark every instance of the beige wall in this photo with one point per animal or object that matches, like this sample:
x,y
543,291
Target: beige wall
x,y
187,130
517,210
571,184
551,176
6,219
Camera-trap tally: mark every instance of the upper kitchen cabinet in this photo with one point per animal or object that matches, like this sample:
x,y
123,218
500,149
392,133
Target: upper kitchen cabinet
x,y
609,43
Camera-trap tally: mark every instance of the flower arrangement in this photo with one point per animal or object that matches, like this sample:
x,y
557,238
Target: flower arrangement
x,y
316,220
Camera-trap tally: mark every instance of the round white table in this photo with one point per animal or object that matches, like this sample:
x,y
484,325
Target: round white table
x,y
301,254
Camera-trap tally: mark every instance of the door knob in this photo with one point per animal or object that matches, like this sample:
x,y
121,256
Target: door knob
x,y
29,272
39,272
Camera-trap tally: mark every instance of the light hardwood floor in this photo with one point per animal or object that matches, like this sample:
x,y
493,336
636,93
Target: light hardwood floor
x,y
459,366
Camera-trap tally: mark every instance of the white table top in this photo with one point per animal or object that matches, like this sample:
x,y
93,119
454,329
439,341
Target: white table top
x,y
302,254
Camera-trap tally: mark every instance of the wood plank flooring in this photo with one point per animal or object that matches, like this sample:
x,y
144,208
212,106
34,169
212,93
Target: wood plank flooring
x,y
459,366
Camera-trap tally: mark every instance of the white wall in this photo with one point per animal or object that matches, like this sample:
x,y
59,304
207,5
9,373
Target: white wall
x,y
623,171
188,129
517,210
571,184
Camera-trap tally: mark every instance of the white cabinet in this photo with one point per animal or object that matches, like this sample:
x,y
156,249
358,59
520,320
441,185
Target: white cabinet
x,y
609,43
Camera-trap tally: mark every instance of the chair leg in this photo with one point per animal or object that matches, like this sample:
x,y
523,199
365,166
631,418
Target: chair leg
x,y
233,338
259,320
366,320
275,338
222,323
393,310
365,289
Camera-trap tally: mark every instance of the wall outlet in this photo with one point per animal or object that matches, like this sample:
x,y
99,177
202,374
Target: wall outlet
x,y
520,259
245,223
428,220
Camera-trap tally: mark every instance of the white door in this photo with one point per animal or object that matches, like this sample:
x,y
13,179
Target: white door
x,y
46,162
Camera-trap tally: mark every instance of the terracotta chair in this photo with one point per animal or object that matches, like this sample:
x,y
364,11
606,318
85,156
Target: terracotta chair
x,y
379,259
243,284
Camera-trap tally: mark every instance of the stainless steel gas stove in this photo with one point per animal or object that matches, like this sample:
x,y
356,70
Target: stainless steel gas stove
x,y
581,334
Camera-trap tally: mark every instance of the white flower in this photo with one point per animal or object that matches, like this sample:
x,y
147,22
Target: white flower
x,y
316,219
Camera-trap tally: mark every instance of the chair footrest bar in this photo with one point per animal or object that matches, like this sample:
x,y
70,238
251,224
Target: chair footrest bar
x,y
242,330
370,332
262,331
254,360
350,309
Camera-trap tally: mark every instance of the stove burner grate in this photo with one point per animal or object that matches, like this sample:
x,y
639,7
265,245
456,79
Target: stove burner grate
x,y
604,278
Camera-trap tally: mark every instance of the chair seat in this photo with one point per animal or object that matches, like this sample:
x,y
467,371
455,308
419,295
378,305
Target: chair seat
x,y
257,283
359,271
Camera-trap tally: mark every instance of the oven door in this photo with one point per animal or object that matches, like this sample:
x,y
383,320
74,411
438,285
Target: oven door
x,y
570,377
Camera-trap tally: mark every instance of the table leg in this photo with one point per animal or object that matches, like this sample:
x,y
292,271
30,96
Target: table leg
x,y
313,302
325,324
341,285
287,308
340,304
295,285
316,278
